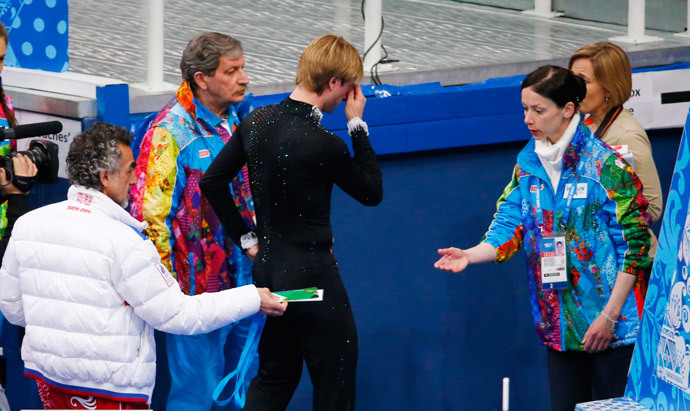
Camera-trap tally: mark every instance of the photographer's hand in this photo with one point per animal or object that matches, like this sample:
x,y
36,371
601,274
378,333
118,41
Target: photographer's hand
x,y
23,167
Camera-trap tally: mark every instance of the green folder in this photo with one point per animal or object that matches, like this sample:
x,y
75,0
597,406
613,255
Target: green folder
x,y
299,295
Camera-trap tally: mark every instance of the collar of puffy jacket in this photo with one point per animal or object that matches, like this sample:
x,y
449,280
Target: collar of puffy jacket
x,y
529,161
90,199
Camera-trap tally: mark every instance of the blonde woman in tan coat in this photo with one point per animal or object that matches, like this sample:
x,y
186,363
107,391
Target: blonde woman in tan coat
x,y
607,74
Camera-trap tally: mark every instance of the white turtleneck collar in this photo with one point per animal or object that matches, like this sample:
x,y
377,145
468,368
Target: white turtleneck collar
x,y
551,155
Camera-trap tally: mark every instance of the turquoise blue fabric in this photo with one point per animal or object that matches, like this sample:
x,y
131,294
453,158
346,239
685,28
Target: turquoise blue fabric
x,y
198,362
239,375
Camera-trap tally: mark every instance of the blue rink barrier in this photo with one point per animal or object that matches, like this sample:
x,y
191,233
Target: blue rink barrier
x,y
423,117
429,116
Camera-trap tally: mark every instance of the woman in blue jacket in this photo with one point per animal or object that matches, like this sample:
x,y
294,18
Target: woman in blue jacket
x,y
568,186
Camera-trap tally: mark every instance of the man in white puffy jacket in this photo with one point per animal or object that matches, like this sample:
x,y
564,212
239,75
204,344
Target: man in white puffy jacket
x,y
90,288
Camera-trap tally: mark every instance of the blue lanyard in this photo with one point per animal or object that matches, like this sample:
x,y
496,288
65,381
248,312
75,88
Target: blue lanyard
x,y
571,194
240,373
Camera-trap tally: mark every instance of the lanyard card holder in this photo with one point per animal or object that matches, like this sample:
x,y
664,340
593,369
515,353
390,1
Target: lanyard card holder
x,y
554,274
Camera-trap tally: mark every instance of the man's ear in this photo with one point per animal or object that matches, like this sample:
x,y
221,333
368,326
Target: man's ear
x,y
105,178
200,80
333,83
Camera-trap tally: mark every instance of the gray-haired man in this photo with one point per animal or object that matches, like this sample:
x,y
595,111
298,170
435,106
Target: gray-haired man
x,y
89,288
175,152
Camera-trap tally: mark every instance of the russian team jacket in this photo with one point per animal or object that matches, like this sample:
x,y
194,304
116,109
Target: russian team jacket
x,y
90,289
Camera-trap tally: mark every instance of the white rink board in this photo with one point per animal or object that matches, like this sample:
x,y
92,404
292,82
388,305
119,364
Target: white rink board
x,y
646,100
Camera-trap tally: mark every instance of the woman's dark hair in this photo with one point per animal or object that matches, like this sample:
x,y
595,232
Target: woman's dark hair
x,y
11,119
557,84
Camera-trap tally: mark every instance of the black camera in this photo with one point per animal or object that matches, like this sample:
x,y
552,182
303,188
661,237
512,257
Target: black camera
x,y
44,154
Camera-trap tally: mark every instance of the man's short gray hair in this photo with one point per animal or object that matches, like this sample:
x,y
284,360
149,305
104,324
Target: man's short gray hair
x,y
96,150
203,54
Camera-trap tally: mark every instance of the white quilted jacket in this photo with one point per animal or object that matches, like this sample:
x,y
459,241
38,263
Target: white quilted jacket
x,y
89,288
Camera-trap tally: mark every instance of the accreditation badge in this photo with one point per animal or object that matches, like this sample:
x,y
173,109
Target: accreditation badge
x,y
554,262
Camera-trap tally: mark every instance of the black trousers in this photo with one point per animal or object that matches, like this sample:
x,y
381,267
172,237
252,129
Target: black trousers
x,y
322,334
578,376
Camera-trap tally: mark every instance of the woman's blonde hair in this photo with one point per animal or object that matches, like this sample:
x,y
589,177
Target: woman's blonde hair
x,y
329,56
611,69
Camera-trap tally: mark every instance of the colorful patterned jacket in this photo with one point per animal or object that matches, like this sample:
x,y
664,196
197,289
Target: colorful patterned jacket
x,y
606,232
177,149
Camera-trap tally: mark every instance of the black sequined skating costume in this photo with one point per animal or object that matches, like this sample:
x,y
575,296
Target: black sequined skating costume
x,y
293,163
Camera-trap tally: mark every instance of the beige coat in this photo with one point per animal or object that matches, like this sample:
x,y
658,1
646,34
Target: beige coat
x,y
625,130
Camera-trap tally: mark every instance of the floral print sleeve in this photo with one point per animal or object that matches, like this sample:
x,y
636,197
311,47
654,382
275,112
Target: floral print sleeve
x,y
505,232
629,224
154,192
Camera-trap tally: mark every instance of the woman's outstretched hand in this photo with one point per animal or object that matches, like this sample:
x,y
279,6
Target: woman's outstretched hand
x,y
455,260
452,259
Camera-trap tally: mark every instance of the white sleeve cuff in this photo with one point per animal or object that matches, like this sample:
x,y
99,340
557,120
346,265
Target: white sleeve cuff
x,y
356,123
248,240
